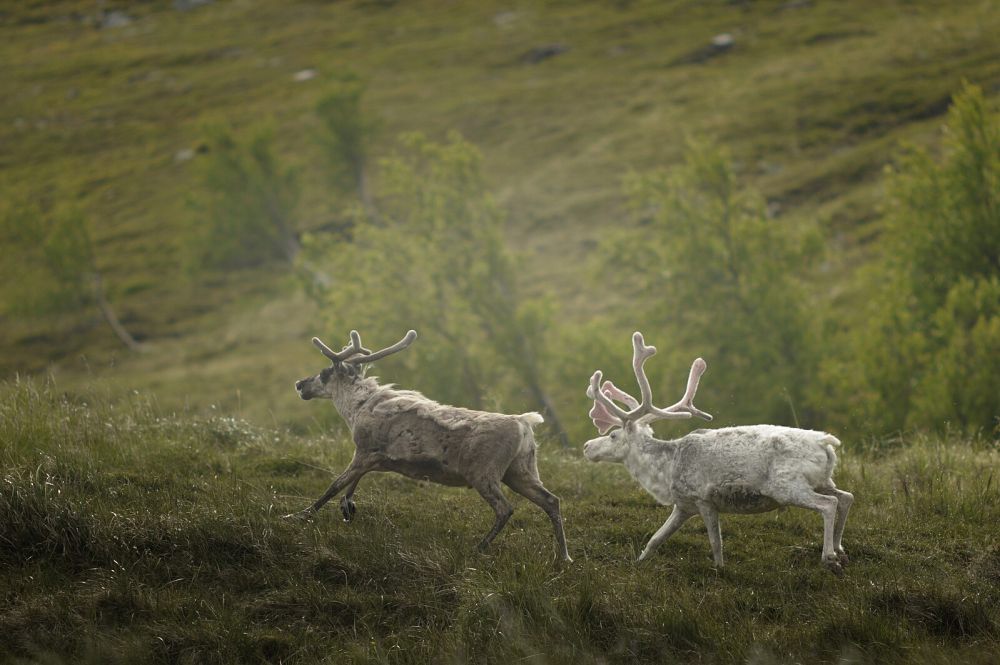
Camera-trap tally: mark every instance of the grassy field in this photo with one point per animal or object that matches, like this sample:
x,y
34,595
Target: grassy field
x,y
141,493
133,534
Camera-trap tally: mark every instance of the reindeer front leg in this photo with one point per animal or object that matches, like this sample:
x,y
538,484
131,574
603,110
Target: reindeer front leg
x,y
347,507
358,467
674,522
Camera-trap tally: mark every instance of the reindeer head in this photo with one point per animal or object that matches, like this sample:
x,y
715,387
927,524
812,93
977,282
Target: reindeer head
x,y
629,427
346,367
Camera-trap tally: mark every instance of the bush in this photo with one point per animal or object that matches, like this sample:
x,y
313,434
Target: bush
x,y
244,208
929,354
712,275
435,259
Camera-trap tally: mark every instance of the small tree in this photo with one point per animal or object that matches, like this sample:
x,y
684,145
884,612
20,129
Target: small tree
x,y
930,353
709,273
349,133
60,242
435,260
244,207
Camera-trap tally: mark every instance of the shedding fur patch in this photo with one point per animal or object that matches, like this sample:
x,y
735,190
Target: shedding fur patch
x,y
388,402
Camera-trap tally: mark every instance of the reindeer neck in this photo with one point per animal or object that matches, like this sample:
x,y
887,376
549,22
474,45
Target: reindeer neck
x,y
650,461
352,396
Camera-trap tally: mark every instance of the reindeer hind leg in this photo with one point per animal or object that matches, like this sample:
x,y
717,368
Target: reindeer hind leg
x,y
532,489
491,492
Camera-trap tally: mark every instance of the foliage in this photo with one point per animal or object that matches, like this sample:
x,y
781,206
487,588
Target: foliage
x,y
810,101
709,273
349,134
128,534
929,356
57,240
61,243
435,260
244,209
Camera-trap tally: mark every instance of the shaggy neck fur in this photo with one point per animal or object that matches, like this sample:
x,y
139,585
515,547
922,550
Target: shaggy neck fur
x,y
651,462
366,396
349,397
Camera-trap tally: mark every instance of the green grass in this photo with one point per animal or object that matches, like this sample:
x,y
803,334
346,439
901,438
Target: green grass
x,y
132,534
144,526
812,101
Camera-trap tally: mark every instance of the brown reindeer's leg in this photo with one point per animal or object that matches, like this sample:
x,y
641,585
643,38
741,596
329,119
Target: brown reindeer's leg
x,y
494,496
349,478
347,507
533,490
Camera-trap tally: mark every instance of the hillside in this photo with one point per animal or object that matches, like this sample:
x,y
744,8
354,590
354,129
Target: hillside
x,y
129,535
110,111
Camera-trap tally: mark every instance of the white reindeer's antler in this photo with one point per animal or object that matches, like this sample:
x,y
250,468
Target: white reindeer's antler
x,y
614,392
606,414
686,403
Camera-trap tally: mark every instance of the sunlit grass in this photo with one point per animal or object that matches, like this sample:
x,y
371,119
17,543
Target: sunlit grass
x,y
131,534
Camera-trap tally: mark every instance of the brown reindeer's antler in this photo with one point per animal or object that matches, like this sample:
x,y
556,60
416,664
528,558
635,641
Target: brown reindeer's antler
x,y
370,357
355,353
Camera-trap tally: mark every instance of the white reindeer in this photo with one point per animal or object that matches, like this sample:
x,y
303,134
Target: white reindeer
x,y
405,432
749,469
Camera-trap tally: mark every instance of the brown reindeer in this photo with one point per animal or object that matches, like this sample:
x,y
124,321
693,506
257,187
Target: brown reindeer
x,y
405,432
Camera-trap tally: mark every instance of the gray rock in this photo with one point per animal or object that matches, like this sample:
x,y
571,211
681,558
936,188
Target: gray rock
x,y
183,155
115,19
720,44
504,19
188,5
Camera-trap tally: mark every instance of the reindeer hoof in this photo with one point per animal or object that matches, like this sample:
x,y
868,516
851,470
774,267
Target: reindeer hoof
x,y
843,559
834,566
347,509
303,515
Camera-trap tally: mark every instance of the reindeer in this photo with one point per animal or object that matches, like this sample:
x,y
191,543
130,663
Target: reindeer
x,y
405,432
750,469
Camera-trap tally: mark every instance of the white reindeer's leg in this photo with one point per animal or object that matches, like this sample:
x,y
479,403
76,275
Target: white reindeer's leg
x,y
711,517
674,522
827,506
533,490
494,496
844,501
349,478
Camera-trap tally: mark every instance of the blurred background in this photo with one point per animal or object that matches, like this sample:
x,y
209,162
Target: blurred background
x,y
804,192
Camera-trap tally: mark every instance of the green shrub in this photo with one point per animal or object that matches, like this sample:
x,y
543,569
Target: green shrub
x,y
244,209
711,274
435,260
349,132
929,355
